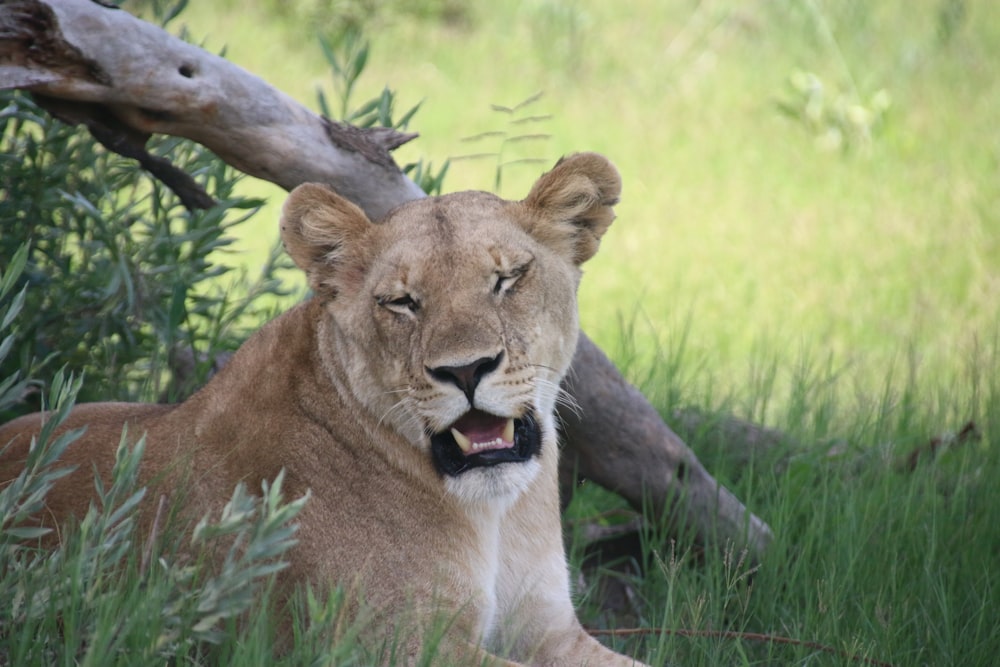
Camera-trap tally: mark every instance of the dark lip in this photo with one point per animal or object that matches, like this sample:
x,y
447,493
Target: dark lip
x,y
449,459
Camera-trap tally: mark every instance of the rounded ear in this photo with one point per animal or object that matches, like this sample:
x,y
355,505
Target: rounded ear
x,y
322,232
573,205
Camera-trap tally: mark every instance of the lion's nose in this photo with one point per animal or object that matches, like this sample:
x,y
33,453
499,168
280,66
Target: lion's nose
x,y
467,377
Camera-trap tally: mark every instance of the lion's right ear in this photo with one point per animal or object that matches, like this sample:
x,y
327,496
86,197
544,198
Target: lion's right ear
x,y
322,233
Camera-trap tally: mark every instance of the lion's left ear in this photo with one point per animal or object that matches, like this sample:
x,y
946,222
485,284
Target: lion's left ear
x,y
323,233
572,206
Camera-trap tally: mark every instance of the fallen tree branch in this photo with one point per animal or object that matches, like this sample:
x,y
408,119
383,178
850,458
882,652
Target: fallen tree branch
x,y
126,79
968,433
129,78
118,138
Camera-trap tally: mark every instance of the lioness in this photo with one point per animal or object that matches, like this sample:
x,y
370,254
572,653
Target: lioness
x,y
414,397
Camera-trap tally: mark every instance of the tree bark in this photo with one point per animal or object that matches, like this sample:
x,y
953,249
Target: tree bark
x,y
107,69
126,79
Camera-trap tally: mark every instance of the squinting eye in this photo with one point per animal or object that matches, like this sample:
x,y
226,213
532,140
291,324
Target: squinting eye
x,y
504,282
399,304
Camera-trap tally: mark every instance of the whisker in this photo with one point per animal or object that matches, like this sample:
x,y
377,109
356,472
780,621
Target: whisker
x,y
561,396
410,419
566,400
382,418
553,391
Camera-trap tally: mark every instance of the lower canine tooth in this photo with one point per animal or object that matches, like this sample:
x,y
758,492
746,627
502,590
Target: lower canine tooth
x,y
508,431
464,443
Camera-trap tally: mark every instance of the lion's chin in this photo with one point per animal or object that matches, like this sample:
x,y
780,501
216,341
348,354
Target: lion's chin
x,y
453,459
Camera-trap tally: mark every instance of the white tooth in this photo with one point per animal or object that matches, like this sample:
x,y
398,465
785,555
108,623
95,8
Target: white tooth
x,y
508,431
464,443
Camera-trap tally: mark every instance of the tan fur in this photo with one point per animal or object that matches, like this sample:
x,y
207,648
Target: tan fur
x,y
343,391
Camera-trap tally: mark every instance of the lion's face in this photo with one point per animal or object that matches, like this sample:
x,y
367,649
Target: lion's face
x,y
469,324
456,315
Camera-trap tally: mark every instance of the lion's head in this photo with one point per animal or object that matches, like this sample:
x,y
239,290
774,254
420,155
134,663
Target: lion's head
x,y
455,316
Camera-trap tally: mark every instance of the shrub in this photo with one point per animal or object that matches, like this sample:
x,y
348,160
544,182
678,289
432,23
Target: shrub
x,y
120,273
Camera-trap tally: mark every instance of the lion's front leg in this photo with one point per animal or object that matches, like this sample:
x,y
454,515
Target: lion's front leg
x,y
536,622
582,650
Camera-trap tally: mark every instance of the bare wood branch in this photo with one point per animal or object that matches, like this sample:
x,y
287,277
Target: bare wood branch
x,y
619,441
129,79
112,64
114,136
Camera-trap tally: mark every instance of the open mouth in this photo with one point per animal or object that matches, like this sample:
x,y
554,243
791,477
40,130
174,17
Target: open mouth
x,y
479,439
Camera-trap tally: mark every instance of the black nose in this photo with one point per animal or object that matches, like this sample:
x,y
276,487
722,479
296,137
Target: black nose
x,y
467,377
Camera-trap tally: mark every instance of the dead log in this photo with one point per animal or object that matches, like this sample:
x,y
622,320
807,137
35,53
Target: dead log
x,y
102,67
126,79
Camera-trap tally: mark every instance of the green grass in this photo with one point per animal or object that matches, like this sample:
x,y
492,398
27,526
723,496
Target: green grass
x,y
871,558
847,296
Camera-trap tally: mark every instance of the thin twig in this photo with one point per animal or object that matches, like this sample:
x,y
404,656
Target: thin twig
x,y
968,433
733,634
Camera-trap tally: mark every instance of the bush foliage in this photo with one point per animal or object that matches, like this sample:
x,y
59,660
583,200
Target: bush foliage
x,y
120,273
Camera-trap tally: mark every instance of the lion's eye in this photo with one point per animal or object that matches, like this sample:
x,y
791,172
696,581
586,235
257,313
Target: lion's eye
x,y
504,282
399,304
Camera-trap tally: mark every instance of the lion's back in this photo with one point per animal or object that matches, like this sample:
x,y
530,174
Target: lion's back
x,y
94,449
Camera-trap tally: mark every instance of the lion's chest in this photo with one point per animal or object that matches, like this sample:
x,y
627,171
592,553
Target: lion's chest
x,y
514,566
402,548
485,570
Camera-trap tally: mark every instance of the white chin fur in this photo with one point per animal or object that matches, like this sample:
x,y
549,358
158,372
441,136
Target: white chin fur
x,y
499,484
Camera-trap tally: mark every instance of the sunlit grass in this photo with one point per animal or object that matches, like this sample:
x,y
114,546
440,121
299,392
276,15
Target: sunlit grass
x,y
874,557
